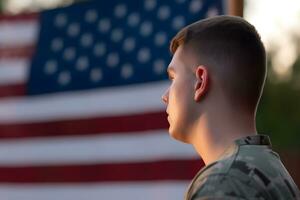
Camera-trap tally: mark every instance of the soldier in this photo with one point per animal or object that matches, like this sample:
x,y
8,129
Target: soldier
x,y
217,76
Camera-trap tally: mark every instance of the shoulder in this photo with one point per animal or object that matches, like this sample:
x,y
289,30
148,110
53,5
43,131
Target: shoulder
x,y
227,178
223,186
222,166
250,173
217,180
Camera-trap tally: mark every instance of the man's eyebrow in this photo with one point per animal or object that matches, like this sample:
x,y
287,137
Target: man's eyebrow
x,y
170,72
170,69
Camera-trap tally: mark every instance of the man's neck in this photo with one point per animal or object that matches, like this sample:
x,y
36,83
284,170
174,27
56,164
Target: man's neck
x,y
212,137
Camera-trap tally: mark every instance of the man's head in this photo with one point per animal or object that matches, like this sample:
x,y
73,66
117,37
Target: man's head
x,y
223,52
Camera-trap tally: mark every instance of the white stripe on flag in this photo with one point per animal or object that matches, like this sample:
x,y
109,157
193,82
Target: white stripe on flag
x,y
18,33
13,71
127,190
112,101
110,148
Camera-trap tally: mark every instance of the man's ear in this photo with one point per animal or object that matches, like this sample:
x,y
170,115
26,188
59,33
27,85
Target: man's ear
x,y
201,85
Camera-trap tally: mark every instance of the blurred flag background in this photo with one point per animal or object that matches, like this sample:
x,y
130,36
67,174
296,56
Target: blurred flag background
x,y
80,111
80,84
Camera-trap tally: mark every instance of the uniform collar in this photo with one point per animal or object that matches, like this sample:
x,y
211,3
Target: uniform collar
x,y
254,140
263,140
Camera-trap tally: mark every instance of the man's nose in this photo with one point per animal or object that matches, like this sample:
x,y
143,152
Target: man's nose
x,y
165,96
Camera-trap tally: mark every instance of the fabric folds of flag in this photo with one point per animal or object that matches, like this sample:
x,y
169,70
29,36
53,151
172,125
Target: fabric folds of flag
x,y
80,109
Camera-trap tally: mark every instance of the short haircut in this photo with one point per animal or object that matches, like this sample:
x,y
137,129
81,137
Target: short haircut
x,y
233,52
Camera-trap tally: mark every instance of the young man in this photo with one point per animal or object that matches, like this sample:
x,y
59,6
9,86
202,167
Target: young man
x,y
217,76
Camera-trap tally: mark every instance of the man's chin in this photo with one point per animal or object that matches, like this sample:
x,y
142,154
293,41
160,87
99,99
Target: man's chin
x,y
178,136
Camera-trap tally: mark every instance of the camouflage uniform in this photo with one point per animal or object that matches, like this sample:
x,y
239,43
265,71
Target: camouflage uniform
x,y
249,169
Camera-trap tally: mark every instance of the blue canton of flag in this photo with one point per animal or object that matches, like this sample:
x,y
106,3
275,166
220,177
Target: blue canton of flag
x,y
109,43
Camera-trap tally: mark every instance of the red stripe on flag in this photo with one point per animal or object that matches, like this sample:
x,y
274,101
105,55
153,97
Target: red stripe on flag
x,y
17,52
19,17
117,172
121,124
12,90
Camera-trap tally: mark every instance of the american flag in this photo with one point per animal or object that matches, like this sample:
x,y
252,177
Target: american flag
x,y
80,110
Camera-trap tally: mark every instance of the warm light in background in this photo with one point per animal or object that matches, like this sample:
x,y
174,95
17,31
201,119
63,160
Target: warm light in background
x,y
278,23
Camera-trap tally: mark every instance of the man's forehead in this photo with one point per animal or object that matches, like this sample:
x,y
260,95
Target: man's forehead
x,y
183,57
178,60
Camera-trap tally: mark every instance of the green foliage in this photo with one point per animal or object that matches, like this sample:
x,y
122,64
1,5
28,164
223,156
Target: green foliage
x,y
1,6
279,111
